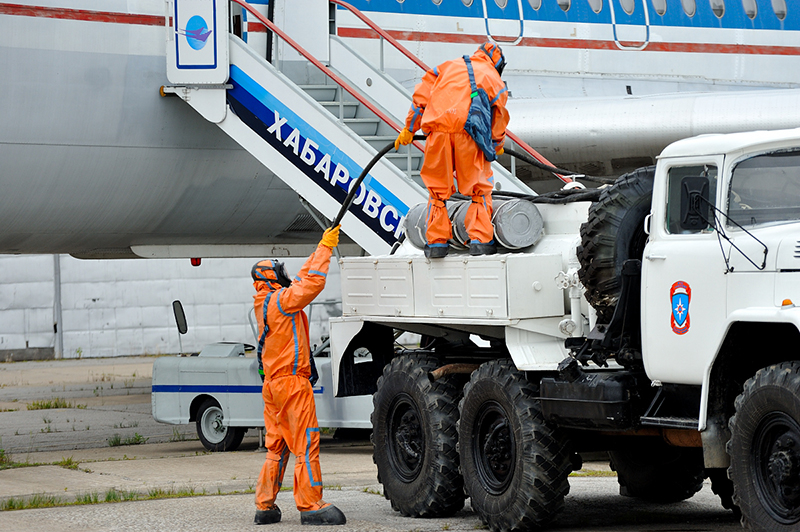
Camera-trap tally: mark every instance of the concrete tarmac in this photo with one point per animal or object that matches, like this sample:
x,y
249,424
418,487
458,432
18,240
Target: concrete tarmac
x,y
173,461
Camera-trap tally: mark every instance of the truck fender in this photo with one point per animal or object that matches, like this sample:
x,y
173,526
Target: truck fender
x,y
754,338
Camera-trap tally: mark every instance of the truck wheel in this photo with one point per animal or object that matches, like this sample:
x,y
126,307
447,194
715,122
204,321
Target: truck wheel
x,y
614,233
765,449
213,434
656,472
515,465
414,439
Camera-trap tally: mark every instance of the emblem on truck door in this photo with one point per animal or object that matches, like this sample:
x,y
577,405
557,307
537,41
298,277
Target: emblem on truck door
x,y
680,295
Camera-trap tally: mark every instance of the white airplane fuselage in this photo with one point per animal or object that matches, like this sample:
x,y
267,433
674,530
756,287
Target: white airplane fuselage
x,y
94,162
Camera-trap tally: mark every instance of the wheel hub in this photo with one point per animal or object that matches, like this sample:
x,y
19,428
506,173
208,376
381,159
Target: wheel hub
x,y
784,470
497,448
778,467
494,448
406,439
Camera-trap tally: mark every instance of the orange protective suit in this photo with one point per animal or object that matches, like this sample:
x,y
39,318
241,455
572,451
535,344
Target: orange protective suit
x,y
440,108
289,412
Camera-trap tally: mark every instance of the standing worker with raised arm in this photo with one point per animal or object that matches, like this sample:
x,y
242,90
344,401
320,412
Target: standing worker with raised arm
x,y
441,105
290,415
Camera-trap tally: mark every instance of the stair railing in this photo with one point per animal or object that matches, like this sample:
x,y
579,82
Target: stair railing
x,y
384,35
327,71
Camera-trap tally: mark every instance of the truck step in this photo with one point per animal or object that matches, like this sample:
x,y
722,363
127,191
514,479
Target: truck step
x,y
670,422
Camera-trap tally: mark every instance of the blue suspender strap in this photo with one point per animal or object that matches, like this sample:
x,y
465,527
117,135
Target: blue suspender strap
x,y
472,85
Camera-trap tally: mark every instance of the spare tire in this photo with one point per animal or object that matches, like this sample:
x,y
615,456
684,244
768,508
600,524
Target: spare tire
x,y
613,234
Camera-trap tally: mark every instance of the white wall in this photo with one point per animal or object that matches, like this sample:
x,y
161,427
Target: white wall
x,y
124,307
26,301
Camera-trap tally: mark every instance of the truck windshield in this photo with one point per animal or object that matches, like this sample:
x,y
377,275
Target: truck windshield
x,y
765,189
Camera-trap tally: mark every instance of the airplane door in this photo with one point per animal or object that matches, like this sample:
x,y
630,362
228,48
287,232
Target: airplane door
x,y
631,24
503,19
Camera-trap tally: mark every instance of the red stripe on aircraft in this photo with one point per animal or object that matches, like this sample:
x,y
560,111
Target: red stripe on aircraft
x,y
536,42
81,14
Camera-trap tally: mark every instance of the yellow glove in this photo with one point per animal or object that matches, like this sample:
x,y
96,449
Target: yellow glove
x,y
405,137
500,152
330,238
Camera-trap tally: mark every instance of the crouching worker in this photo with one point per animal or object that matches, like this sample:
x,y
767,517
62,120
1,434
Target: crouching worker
x,y
289,412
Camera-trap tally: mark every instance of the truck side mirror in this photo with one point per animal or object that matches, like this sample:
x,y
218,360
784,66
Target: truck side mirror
x,y
180,317
694,203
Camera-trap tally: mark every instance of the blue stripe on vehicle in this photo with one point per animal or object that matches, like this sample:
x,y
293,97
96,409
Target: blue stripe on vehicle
x,y
206,388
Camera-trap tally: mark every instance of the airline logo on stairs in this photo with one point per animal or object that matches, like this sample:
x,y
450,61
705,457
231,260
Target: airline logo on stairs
x,y
315,155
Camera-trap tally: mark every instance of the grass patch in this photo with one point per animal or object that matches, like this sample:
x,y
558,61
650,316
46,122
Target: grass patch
x,y
56,402
35,501
177,435
9,409
67,463
7,463
88,498
117,440
111,496
592,473
373,491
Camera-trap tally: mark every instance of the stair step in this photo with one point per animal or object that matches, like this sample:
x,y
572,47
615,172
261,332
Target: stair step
x,y
400,160
348,109
362,126
380,141
321,92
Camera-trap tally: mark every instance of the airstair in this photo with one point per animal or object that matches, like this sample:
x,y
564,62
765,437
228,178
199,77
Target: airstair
x,y
311,125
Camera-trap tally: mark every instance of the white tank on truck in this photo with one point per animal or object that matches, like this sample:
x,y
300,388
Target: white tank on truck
x,y
657,322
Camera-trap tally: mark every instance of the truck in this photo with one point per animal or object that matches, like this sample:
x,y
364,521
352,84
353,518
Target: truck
x,y
657,323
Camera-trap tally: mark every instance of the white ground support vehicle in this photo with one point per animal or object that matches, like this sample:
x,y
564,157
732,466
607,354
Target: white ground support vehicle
x,y
658,324
220,390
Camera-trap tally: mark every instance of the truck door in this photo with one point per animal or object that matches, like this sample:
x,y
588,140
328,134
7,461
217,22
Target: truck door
x,y
683,281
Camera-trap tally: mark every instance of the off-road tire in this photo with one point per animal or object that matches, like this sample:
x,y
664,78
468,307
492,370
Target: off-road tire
x,y
614,233
414,438
515,465
765,450
656,472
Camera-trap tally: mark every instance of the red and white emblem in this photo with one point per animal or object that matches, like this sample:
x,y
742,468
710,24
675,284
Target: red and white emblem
x,y
680,295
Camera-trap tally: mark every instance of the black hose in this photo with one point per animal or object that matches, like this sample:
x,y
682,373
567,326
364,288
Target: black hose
x,y
555,170
555,197
354,188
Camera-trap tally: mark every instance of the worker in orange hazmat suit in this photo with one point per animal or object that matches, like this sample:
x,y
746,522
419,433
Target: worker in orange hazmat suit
x,y
440,107
289,412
